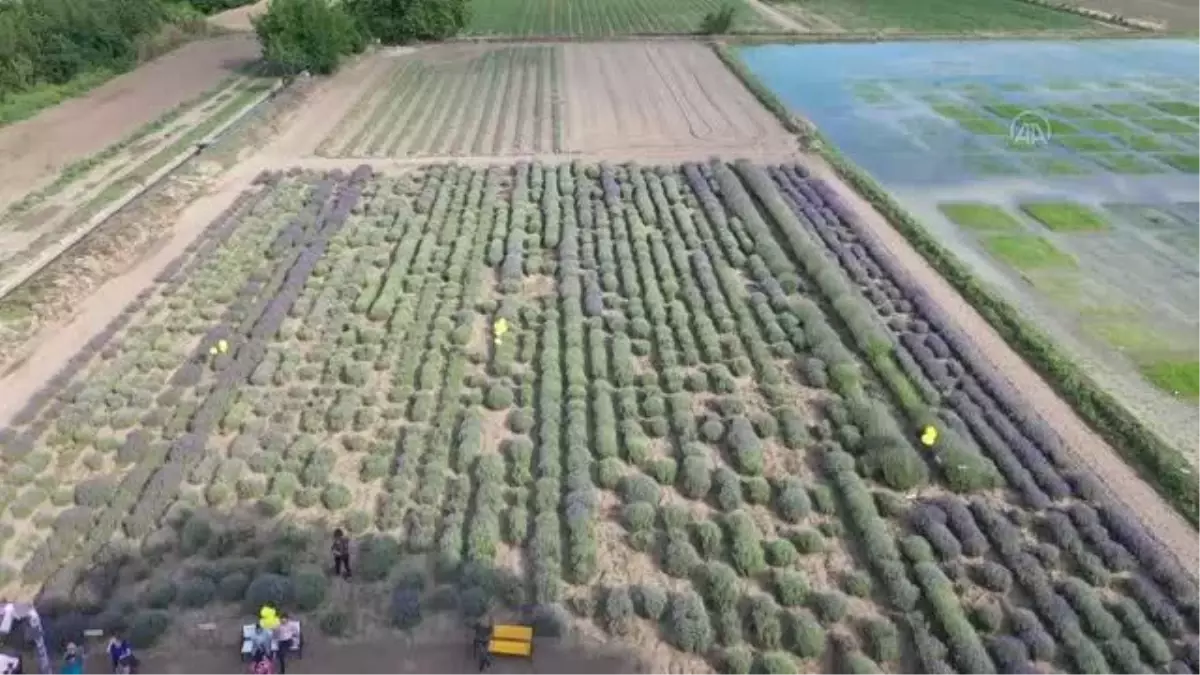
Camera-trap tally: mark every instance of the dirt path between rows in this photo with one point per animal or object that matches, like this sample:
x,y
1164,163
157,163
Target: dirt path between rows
x,y
1089,449
36,149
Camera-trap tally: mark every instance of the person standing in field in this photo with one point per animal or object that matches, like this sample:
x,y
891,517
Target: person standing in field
x,y
341,554
285,639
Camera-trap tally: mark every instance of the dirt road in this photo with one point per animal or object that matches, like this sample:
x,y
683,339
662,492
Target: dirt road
x,y
35,150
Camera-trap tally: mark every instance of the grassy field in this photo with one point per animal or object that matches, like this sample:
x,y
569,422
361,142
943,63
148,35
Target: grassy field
x,y
601,18
935,15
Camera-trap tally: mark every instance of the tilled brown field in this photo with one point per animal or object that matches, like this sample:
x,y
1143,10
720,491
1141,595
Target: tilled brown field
x,y
578,99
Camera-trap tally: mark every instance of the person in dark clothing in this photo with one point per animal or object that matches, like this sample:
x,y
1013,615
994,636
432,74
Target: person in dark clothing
x,y
483,635
341,553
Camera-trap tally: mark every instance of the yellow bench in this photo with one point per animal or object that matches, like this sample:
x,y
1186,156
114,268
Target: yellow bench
x,y
510,648
511,640
511,632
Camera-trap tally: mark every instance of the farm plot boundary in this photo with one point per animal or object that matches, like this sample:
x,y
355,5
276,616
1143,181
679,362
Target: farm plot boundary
x,y
1155,461
754,309
160,166
528,100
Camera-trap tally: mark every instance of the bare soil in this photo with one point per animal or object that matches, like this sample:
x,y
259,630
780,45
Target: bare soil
x,y
1091,450
35,150
239,18
592,100
1176,14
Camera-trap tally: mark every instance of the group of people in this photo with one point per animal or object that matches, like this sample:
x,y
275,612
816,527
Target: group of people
x,y
120,656
275,634
274,637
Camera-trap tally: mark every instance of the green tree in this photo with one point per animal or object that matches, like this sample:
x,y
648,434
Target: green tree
x,y
395,22
312,35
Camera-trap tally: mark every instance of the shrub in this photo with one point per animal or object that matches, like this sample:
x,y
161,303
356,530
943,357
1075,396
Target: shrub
x,y
727,489
829,606
335,623
712,429
638,516
745,447
780,553
618,611
757,490
856,583
1028,628
737,660
309,588
159,594
709,539
822,499
688,627
609,472
762,622
804,636
1009,653
882,640
745,545
993,576
639,488
232,587
650,601
790,586
678,556
147,627
662,469
808,541
520,421
498,396
792,501
987,616
312,35
197,592
269,589
695,476
718,583
336,497
397,22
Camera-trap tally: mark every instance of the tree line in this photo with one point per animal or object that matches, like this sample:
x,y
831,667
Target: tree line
x,y
315,35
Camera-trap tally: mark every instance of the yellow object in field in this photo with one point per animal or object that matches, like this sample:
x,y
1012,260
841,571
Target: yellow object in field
x,y
222,346
500,327
929,435
212,350
268,618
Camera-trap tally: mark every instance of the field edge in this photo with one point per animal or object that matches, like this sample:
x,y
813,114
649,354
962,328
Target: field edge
x,y
1159,464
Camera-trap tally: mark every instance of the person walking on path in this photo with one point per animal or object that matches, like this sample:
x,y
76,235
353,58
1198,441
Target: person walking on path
x,y
120,653
285,640
341,554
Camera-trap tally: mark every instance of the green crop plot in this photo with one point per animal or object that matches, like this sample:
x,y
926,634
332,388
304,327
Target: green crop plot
x,y
1181,378
599,18
1188,163
1065,216
1055,166
941,15
983,125
980,217
1027,252
1178,108
1126,164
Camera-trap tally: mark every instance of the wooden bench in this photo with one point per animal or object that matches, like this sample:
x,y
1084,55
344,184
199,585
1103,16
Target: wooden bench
x,y
510,640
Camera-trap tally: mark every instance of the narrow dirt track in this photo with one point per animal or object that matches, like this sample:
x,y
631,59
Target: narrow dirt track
x,y
35,150
1090,450
239,18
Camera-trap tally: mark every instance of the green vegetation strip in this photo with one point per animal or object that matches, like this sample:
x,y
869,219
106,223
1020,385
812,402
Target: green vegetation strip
x,y
1026,251
160,159
1159,464
1065,216
980,217
1181,378
75,170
